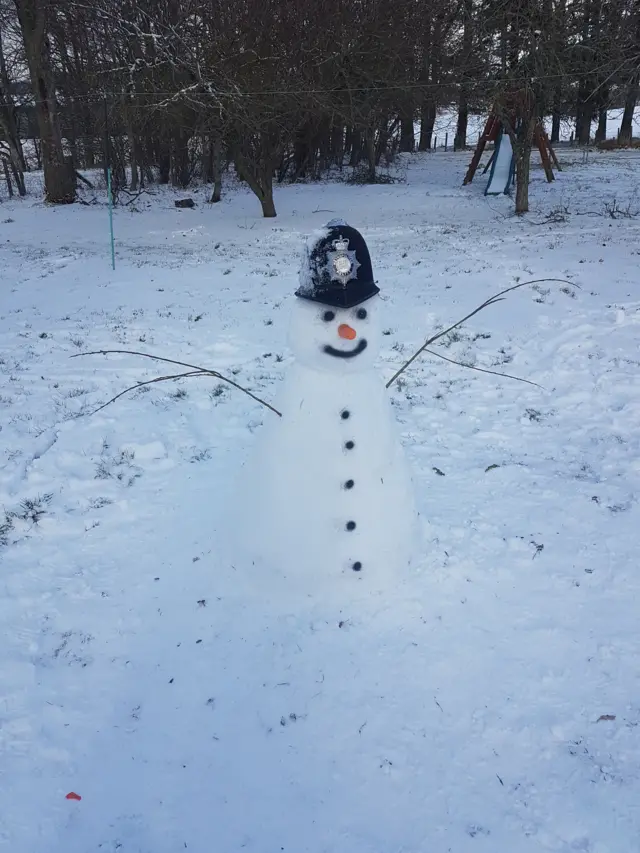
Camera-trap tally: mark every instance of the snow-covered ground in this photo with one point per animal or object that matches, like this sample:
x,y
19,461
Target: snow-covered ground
x,y
487,702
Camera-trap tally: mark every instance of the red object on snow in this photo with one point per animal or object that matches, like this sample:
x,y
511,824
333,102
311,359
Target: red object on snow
x,y
73,796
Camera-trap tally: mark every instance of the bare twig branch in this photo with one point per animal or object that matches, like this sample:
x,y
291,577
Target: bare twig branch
x,y
498,297
193,367
148,382
481,369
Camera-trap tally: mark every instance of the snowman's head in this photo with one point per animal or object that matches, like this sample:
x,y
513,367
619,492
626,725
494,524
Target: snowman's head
x,y
335,318
340,340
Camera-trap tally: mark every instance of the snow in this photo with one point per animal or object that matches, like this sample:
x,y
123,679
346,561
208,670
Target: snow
x,y
307,282
487,701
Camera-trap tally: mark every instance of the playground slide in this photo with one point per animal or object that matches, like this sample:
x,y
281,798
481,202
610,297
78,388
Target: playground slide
x,y
501,175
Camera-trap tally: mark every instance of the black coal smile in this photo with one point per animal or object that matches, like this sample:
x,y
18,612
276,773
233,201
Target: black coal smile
x,y
340,353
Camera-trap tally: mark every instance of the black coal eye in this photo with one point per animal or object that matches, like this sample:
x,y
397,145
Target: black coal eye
x,y
328,316
362,313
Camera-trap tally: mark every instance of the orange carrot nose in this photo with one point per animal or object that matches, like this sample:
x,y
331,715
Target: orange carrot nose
x,y
346,332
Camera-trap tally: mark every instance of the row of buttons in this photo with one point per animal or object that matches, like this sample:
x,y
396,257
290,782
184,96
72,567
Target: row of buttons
x,y
350,525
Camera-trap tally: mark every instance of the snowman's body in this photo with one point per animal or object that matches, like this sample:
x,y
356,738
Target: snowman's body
x,y
330,492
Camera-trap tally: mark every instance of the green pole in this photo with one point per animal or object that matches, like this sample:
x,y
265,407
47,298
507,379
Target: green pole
x,y
113,248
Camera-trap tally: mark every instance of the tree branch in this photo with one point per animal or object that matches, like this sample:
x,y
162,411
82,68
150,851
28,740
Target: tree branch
x,y
141,384
197,370
498,297
481,369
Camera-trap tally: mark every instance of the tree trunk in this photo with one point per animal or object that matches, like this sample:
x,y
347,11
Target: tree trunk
x,y
386,145
407,135
18,175
630,101
146,154
70,132
427,123
260,180
583,125
180,173
370,141
633,91
88,140
9,125
268,205
460,139
37,150
348,142
584,113
321,158
430,107
555,125
524,144
207,160
603,103
601,131
216,166
356,148
133,153
164,162
59,179
302,148
7,178
337,144
557,43
15,154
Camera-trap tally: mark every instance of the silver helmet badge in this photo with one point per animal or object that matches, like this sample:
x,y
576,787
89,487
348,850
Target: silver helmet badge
x,y
343,263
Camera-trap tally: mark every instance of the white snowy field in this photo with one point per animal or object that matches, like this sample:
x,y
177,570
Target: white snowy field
x,y
489,701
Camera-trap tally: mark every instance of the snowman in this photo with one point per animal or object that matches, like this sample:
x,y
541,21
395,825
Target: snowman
x,y
328,494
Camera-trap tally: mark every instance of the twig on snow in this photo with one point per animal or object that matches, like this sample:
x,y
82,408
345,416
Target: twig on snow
x,y
134,198
481,369
195,370
492,300
84,180
147,382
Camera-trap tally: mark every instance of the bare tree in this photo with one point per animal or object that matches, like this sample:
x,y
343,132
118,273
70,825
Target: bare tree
x,y
59,173
180,90
9,130
631,79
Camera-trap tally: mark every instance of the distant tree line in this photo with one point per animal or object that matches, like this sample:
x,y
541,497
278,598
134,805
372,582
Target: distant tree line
x,y
173,91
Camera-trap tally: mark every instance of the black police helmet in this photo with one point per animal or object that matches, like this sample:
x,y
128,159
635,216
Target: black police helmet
x,y
336,269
